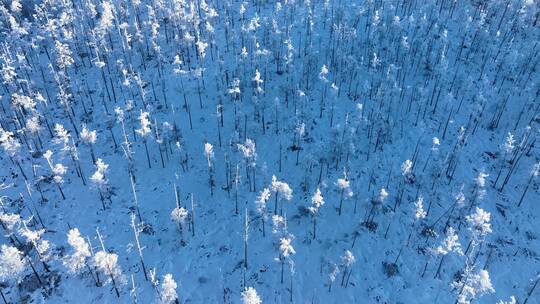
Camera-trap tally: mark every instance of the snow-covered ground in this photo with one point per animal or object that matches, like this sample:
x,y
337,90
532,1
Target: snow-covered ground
x,y
416,120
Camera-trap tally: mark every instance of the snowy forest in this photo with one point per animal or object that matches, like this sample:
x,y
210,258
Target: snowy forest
x,y
264,151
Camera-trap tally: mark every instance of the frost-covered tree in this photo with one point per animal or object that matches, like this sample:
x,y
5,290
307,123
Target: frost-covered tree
x,y
383,194
472,285
281,190
419,213
12,265
250,156
532,177
209,154
480,227
133,290
258,82
137,229
77,260
285,251
379,201
347,260
41,247
126,144
479,188
99,179
145,131
260,204
107,263
12,147
344,189
89,138
234,90
168,290
11,223
317,201
58,170
407,171
279,225
332,276
179,216
435,143
450,244
62,138
33,127
507,149
250,296
479,223
64,57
